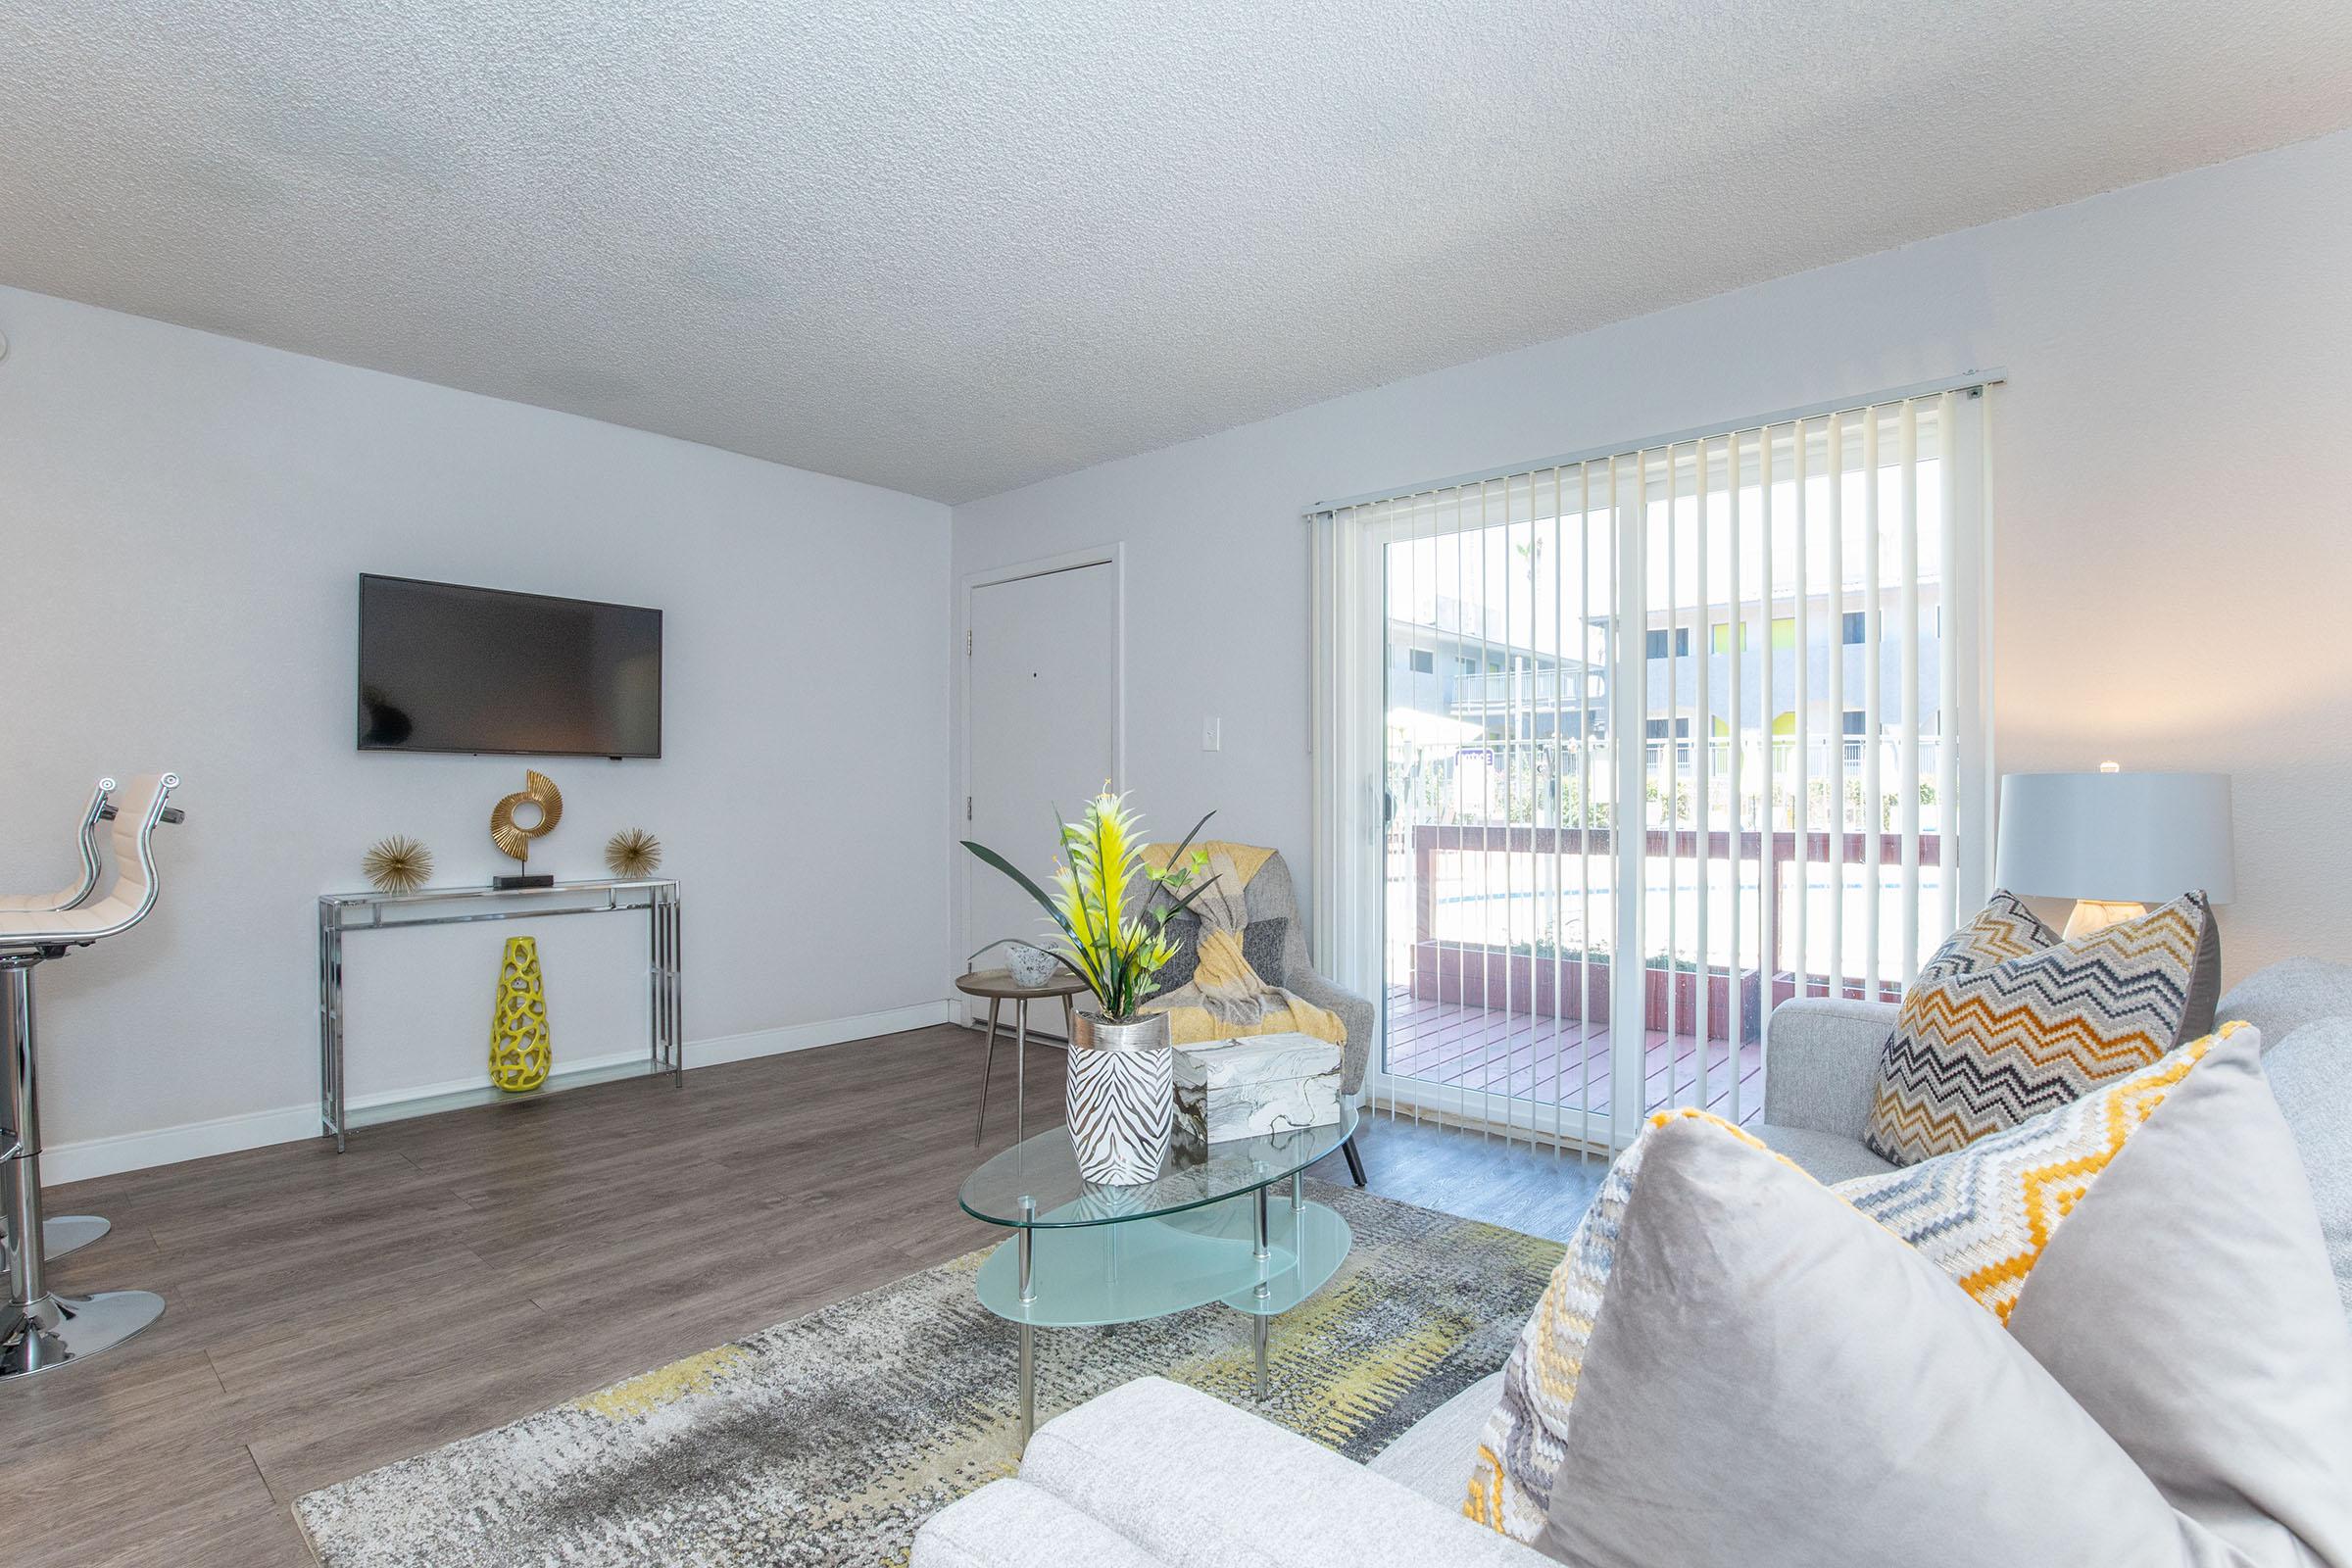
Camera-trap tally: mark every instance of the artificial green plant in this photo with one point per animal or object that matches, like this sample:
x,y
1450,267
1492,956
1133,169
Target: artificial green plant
x,y
1117,954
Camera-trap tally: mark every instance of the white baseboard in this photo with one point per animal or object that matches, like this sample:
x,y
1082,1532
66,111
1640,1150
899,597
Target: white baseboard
x,y
169,1146
227,1135
808,1036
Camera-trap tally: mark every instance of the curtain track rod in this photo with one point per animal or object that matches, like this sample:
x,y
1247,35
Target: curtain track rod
x,y
1966,381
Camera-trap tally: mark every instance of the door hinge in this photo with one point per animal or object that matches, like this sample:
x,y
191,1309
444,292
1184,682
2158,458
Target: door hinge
x,y
968,645
967,807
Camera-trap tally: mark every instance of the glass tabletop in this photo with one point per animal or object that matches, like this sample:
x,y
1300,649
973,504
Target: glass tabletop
x,y
1045,1171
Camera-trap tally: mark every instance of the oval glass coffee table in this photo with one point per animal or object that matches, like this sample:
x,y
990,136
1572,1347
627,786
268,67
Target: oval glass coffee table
x,y
1205,1229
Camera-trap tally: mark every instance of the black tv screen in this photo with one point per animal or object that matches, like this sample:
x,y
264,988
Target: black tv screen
x,y
447,668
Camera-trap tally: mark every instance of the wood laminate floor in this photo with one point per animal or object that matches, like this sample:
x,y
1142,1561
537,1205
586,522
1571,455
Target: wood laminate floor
x,y
331,1313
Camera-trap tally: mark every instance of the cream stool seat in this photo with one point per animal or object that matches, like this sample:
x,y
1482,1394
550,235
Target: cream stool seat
x,y
68,898
40,1330
65,1233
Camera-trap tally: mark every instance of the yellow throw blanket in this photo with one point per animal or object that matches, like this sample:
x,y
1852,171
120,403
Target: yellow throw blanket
x,y
1226,998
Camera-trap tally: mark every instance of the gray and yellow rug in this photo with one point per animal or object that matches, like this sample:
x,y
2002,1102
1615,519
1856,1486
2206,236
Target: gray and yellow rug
x,y
829,1439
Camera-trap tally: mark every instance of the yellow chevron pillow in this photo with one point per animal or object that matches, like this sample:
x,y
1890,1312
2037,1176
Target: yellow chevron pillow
x,y
1984,1214
1984,1043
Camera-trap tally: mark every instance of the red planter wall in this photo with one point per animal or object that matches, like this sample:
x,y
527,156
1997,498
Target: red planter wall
x,y
1476,977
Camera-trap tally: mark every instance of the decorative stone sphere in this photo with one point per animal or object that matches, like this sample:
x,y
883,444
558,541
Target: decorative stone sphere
x,y
1029,966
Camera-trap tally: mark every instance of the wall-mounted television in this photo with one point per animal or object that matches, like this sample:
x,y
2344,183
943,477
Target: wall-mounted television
x,y
451,669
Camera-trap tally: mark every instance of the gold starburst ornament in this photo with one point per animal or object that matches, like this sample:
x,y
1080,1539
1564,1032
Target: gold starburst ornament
x,y
633,853
398,864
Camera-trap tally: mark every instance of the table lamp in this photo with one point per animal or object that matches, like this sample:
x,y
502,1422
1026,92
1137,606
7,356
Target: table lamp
x,y
2114,841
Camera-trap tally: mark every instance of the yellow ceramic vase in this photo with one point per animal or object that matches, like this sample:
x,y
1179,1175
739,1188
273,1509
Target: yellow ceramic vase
x,y
521,1052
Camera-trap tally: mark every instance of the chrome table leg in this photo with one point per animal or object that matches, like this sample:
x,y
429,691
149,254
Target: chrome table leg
x,y
667,918
657,982
677,991
1257,1319
1028,1335
326,1119
330,1028
1028,1385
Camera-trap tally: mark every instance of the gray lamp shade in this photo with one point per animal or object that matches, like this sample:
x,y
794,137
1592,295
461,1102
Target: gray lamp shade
x,y
2119,838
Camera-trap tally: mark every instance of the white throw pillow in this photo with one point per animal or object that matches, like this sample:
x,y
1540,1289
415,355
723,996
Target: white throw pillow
x,y
1776,1381
2189,1306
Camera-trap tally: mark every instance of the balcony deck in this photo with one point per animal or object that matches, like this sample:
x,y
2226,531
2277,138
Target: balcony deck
x,y
1546,1059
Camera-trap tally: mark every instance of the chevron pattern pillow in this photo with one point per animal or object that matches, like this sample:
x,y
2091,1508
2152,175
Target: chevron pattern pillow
x,y
1983,1045
2002,930
1984,1214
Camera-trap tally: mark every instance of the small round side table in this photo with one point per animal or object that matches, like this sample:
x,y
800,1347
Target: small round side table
x,y
998,986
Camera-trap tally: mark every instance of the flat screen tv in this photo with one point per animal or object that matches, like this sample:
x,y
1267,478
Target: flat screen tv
x,y
449,668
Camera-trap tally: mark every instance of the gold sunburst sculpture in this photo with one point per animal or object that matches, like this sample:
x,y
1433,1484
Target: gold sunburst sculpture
x,y
514,840
398,864
633,852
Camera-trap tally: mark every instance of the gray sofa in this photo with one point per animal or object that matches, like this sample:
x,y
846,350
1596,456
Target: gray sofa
x,y
1155,1475
1822,1060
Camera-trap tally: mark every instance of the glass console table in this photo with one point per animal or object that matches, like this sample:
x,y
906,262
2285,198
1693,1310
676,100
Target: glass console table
x,y
1204,1230
342,913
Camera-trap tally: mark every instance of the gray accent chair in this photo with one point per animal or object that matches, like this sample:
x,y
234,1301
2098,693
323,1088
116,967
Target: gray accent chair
x,y
1272,896
1096,1485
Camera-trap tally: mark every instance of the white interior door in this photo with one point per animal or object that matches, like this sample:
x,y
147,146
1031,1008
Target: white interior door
x,y
1040,731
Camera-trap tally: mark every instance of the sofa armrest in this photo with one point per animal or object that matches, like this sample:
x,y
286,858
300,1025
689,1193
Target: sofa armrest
x,y
2287,994
1198,1484
1820,1062
1009,1523
1353,1011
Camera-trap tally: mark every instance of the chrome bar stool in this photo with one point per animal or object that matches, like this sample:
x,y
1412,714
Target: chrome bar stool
x,y
40,1330
63,1233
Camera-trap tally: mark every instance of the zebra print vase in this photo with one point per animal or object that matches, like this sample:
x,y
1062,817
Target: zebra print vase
x,y
1122,1098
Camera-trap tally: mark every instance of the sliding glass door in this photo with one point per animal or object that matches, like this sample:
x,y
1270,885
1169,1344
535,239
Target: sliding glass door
x,y
1502,883
1661,738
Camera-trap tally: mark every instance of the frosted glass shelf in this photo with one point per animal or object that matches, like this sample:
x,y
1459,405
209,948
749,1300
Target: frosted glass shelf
x,y
1084,1276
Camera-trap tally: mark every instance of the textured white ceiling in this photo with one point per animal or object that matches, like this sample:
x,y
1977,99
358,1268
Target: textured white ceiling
x,y
954,248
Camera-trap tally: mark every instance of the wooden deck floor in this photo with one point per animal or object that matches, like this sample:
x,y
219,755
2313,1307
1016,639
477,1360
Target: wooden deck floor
x,y
1561,1061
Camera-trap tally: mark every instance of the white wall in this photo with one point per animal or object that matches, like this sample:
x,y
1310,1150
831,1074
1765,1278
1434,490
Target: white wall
x,y
2174,566
184,518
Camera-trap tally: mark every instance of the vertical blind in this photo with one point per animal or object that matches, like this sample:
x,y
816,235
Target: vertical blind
x,y
1714,706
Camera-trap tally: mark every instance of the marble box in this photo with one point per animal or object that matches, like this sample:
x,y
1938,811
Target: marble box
x,y
1228,1089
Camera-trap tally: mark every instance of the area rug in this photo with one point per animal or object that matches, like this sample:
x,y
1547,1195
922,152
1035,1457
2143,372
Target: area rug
x,y
829,1440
